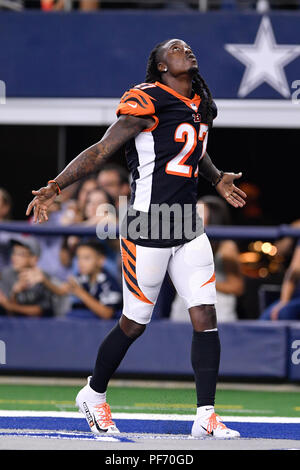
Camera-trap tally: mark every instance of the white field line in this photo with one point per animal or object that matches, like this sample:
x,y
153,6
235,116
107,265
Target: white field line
x,y
147,416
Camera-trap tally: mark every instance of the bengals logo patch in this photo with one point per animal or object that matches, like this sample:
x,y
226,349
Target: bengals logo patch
x,y
197,117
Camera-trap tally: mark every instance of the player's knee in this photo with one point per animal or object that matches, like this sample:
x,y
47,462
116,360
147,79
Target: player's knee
x,y
131,328
203,317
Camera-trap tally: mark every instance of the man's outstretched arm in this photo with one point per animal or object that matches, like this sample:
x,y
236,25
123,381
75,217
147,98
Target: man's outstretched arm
x,y
223,182
87,162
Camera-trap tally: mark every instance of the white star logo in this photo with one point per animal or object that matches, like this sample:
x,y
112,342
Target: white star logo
x,y
264,60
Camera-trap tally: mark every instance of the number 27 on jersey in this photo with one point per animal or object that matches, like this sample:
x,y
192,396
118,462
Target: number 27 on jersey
x,y
186,133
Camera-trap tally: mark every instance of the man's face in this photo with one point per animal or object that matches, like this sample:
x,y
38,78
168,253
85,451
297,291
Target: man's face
x,y
87,186
89,261
177,57
22,258
110,181
94,200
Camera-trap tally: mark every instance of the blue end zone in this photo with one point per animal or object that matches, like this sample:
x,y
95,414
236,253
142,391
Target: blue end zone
x,y
247,430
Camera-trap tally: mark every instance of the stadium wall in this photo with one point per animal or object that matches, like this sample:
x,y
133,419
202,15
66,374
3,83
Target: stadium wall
x,y
250,349
90,55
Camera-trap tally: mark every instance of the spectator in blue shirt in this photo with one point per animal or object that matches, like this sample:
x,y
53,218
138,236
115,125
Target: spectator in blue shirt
x,y
95,293
288,306
5,237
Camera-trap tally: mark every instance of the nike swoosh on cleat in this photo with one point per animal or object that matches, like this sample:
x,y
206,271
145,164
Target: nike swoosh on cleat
x,y
209,433
98,427
132,105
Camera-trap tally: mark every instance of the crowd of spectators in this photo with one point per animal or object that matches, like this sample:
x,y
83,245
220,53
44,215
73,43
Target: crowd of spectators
x,y
80,277
66,275
203,5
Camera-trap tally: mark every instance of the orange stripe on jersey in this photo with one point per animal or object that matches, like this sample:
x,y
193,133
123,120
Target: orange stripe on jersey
x,y
212,279
131,249
136,291
131,246
129,256
136,103
126,255
126,263
194,101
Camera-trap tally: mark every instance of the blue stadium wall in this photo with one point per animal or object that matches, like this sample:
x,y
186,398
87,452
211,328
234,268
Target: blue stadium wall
x,y
250,349
101,54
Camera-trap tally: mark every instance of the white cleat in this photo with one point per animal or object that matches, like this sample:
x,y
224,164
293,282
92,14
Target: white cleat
x,y
210,424
98,416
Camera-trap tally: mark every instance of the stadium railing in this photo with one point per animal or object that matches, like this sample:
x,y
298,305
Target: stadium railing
x,y
233,232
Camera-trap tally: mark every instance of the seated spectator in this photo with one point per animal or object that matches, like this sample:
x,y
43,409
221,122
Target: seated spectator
x,y
87,185
71,210
53,248
99,208
95,293
5,237
70,213
101,212
17,295
286,245
229,280
288,306
114,180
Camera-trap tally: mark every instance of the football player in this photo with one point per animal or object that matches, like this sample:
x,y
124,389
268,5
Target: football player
x,y
164,123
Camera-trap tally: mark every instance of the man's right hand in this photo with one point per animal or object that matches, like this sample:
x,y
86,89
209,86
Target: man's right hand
x,y
19,286
32,276
40,204
89,161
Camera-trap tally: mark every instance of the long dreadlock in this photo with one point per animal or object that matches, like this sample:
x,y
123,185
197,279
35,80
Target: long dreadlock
x,y
199,85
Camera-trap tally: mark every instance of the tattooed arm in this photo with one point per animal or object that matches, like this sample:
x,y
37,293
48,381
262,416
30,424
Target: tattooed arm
x,y
87,162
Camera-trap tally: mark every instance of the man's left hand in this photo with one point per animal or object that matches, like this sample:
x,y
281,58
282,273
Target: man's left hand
x,y
231,193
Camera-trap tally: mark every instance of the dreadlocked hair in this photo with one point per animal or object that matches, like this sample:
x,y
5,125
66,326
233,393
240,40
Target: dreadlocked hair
x,y
200,86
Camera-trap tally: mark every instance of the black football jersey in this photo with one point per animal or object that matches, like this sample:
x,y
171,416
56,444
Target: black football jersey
x,y
163,161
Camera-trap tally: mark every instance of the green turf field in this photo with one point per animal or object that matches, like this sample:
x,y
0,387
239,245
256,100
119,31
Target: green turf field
x,y
152,400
